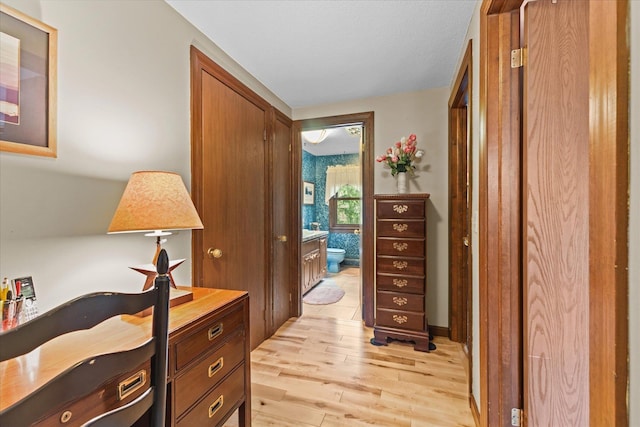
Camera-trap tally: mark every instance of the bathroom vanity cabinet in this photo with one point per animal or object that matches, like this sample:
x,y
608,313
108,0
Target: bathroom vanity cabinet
x,y
401,271
314,260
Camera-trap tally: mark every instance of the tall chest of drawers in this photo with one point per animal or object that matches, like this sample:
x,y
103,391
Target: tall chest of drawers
x,y
401,237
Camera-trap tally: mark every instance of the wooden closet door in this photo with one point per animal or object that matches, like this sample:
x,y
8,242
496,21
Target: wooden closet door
x,y
556,212
229,158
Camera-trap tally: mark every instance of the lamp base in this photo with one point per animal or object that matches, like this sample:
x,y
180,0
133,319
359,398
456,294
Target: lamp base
x,y
176,297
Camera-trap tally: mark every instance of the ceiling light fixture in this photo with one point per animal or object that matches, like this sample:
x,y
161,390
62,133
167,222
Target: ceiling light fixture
x,y
315,136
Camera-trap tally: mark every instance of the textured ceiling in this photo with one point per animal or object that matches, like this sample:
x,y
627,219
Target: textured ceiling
x,y
317,52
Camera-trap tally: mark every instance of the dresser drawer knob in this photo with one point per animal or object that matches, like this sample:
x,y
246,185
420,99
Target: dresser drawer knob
x,y
400,208
400,265
400,227
215,331
131,384
216,406
66,417
401,283
399,319
399,301
400,246
215,367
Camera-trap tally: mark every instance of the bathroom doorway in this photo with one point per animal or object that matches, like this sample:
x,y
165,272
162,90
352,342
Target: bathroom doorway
x,y
333,158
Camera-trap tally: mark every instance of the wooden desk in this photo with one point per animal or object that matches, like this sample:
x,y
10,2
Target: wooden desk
x,y
208,357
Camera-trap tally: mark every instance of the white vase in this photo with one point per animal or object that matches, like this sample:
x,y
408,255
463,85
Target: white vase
x,y
402,182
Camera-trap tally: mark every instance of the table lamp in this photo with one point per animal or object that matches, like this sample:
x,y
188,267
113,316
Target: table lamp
x,y
156,202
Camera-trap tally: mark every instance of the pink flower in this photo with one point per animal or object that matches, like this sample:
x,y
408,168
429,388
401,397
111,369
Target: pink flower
x,y
389,150
381,158
394,159
408,149
398,144
412,137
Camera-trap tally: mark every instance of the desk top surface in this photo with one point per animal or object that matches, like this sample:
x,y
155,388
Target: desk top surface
x,y
24,374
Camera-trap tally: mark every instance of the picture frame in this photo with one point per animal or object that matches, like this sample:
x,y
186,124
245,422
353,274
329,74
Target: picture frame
x,y
308,193
28,84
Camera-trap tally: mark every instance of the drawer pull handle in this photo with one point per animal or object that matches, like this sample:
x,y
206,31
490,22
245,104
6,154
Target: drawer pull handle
x,y
400,265
65,417
400,208
399,301
131,384
401,283
400,227
215,367
215,406
400,246
215,331
399,319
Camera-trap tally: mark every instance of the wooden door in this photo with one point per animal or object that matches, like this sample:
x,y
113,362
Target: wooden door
x,y
281,190
556,212
230,187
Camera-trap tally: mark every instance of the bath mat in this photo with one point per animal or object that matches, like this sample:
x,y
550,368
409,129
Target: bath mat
x,y
326,292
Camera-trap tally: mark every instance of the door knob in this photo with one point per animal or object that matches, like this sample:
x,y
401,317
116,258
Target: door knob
x,y
282,238
214,253
356,231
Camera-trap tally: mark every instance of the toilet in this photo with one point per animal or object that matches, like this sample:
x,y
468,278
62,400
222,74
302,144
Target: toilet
x,y
334,258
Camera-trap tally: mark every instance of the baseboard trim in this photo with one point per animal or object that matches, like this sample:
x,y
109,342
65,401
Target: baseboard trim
x,y
439,331
474,410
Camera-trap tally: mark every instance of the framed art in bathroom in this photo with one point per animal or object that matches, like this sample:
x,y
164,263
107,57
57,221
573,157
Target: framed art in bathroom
x,y
27,84
308,190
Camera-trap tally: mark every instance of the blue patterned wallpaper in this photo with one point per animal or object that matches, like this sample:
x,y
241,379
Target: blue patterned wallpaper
x,y
314,169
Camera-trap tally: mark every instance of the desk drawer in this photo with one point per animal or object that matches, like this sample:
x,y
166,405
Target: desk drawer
x,y
400,228
397,265
400,209
215,405
208,336
400,301
400,319
197,380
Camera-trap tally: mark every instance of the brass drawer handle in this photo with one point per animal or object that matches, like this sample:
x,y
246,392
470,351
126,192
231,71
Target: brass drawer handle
x,y
399,319
399,301
215,406
131,384
215,331
401,283
400,265
66,417
400,208
215,367
400,227
400,246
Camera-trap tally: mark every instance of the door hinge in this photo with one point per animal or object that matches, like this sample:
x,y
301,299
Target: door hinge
x,y
517,57
289,147
516,416
290,298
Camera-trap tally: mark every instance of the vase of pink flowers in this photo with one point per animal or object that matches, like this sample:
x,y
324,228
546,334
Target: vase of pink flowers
x,y
400,159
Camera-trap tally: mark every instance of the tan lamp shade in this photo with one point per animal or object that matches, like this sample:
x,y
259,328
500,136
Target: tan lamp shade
x,y
155,200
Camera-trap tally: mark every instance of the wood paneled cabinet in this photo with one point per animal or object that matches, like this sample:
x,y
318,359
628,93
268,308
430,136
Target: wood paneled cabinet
x,y
314,262
401,233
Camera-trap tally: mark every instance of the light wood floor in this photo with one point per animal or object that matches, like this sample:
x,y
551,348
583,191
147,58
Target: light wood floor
x,y
321,370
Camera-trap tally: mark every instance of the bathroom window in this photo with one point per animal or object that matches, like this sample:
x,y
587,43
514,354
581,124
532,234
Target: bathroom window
x,y
345,210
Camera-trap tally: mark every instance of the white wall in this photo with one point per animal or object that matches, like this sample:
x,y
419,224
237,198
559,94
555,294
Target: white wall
x,y
634,219
425,114
123,105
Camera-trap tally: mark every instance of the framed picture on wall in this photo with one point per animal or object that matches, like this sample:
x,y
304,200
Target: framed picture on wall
x,y
308,189
28,74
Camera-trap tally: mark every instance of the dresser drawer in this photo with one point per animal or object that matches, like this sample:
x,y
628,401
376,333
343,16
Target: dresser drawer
x,y
209,335
400,228
197,380
397,265
400,319
215,405
400,247
391,282
400,301
400,208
